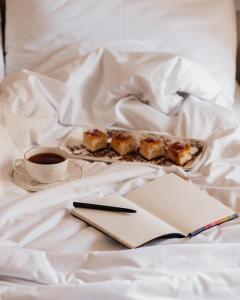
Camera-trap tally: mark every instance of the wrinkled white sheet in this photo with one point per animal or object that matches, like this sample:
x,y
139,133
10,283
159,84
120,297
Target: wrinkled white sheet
x,y
195,29
45,253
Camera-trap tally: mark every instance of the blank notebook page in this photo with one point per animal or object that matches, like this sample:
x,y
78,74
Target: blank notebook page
x,y
179,203
132,229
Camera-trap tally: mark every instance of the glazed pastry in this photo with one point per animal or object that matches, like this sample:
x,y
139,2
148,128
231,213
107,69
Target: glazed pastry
x,y
123,143
179,153
94,140
151,147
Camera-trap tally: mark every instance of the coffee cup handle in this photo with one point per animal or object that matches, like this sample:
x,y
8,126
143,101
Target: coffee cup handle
x,y
18,162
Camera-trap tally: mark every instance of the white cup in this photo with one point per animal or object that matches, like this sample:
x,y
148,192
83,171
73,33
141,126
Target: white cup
x,y
43,172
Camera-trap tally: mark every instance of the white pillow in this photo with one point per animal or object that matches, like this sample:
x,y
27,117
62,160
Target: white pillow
x,y
101,82
201,30
102,87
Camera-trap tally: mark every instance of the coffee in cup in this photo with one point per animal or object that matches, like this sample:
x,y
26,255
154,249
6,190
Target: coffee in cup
x,y
45,164
46,158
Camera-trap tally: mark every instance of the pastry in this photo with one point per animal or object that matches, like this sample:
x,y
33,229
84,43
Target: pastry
x,y
94,140
151,147
123,143
179,153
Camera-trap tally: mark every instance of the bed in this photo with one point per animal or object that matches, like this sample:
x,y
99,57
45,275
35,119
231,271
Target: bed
x,y
156,65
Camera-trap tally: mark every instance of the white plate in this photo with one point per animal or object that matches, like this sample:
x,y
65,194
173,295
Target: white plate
x,y
73,145
22,179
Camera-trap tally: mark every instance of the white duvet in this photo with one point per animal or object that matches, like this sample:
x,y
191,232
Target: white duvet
x,y
45,253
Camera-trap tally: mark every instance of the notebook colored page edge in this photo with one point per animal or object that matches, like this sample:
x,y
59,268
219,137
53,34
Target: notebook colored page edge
x,y
213,224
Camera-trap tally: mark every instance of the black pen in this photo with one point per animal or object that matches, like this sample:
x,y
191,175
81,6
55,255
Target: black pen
x,y
103,207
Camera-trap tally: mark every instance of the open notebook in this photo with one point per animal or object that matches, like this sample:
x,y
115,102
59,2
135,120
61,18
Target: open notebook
x,y
167,207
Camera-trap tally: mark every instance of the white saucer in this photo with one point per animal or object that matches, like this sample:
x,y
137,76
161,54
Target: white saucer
x,y
22,179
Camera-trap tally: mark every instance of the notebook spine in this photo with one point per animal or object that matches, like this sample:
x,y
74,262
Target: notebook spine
x,y
210,225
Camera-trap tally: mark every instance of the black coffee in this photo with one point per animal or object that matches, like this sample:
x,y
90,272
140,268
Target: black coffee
x,y
46,158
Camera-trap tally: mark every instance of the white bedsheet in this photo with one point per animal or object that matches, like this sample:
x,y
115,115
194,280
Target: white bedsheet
x,y
45,253
192,28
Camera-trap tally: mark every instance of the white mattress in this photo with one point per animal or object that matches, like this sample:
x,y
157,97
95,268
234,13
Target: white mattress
x,y
45,253
190,28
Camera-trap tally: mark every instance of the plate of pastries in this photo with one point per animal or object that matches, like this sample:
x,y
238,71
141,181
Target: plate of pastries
x,y
112,145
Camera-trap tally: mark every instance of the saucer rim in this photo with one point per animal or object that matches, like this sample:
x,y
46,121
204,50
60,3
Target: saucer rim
x,y
44,186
